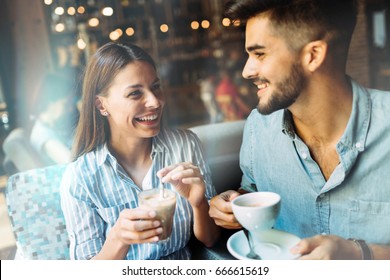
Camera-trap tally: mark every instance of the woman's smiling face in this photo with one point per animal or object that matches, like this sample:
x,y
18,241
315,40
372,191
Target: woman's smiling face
x,y
134,102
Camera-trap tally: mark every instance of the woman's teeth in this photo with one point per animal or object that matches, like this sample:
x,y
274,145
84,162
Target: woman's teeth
x,y
148,118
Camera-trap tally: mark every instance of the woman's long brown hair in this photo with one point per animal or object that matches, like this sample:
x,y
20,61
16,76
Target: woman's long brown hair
x,y
92,129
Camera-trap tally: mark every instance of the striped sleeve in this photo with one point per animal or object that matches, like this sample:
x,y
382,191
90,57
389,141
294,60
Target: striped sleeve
x,y
84,225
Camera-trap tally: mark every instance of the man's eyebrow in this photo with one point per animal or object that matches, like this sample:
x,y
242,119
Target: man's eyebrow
x,y
254,47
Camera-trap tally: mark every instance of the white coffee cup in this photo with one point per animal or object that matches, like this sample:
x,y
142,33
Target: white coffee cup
x,y
257,211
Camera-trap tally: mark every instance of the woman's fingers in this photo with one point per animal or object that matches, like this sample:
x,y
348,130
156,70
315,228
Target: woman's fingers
x,y
138,214
187,180
138,226
150,235
185,172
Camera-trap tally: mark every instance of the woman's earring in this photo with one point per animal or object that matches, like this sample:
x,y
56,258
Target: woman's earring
x,y
105,113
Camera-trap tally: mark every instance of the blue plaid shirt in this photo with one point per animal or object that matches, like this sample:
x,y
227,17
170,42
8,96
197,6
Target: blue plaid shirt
x,y
95,189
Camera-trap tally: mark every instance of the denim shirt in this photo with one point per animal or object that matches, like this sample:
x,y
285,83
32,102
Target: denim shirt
x,y
355,201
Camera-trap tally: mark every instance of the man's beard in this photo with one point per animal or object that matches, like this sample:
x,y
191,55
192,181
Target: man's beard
x,y
286,92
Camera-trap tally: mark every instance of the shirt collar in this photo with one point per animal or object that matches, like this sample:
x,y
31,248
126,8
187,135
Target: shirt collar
x,y
355,134
103,154
287,124
159,143
158,146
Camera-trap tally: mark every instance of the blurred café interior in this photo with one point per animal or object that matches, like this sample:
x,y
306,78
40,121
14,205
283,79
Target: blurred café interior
x,y
190,40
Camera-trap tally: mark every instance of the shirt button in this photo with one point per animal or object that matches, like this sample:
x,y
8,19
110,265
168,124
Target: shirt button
x,y
358,145
322,195
304,155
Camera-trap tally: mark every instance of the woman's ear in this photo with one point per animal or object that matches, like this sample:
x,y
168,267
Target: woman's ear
x,y
314,54
100,106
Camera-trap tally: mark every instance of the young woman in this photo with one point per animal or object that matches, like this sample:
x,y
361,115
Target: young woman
x,y
120,144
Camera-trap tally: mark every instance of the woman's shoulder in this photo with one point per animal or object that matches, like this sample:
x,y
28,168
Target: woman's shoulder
x,y
80,176
178,136
177,132
84,165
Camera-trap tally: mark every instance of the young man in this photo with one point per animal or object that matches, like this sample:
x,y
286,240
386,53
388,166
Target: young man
x,y
317,138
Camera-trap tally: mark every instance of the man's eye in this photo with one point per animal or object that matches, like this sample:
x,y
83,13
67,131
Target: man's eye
x,y
259,55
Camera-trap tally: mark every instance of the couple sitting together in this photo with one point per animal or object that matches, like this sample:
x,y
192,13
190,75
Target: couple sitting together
x,y
317,138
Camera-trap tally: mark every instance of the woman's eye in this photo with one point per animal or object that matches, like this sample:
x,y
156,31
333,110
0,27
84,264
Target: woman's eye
x,y
156,87
134,93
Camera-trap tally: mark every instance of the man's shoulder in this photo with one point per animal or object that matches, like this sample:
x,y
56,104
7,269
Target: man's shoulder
x,y
379,96
376,95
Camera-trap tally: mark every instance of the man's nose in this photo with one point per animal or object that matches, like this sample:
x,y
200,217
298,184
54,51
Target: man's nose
x,y
250,69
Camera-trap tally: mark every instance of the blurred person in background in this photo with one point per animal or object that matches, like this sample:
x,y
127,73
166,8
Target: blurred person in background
x,y
228,97
207,87
54,119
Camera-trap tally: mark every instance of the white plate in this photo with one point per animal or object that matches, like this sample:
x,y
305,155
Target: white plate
x,y
276,245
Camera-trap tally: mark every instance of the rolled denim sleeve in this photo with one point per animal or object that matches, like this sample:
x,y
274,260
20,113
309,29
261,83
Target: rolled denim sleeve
x,y
246,160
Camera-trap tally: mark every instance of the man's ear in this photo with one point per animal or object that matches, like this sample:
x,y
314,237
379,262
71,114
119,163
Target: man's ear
x,y
314,54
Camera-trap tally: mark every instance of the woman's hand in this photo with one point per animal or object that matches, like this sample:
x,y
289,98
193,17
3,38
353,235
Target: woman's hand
x,y
187,180
136,226
327,247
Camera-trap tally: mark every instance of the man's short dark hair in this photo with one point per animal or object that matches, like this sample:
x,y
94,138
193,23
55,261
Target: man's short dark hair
x,y
302,21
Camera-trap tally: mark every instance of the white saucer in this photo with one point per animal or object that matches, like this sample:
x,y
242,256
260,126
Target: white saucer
x,y
276,245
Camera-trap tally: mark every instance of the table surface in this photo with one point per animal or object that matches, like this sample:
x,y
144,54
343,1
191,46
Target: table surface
x,y
218,252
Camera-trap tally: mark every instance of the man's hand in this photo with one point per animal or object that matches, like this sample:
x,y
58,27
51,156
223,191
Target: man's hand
x,y
221,210
327,247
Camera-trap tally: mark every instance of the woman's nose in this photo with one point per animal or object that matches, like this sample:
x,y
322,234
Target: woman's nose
x,y
152,100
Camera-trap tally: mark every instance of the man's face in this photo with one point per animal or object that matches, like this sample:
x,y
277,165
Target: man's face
x,y
275,70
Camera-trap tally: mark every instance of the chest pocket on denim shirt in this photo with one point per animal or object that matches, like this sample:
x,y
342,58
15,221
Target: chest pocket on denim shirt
x,y
370,220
